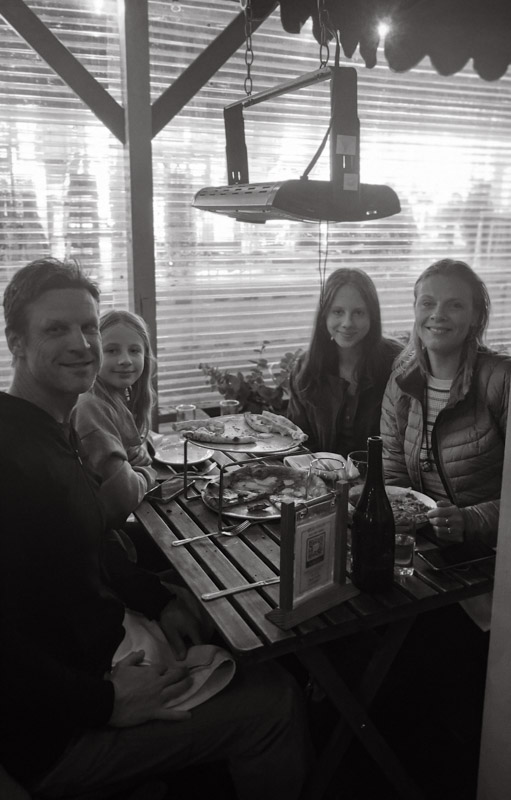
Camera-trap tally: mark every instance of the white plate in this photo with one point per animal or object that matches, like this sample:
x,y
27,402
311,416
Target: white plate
x,y
395,491
171,451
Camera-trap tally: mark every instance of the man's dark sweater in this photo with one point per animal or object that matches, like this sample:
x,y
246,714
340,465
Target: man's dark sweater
x,y
62,578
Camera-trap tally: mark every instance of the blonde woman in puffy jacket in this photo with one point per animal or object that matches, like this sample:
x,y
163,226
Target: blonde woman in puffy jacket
x,y
444,410
444,417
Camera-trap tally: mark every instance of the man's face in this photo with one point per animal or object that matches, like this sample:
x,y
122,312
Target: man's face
x,y
59,354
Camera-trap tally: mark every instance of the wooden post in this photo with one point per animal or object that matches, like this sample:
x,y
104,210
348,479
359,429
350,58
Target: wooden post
x,y
495,764
134,37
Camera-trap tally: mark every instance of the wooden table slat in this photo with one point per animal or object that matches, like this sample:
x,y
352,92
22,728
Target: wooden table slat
x,y
243,637
340,614
416,587
393,597
364,605
256,536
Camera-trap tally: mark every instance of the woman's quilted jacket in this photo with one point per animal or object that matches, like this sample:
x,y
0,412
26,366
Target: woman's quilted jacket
x,y
467,440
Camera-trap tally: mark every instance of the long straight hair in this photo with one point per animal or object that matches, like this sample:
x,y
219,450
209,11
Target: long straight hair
x,y
415,352
142,397
323,354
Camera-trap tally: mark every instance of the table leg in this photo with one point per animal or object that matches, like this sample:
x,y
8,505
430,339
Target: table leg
x,y
354,716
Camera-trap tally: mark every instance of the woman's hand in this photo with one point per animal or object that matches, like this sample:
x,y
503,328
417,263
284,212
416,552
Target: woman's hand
x,y
447,521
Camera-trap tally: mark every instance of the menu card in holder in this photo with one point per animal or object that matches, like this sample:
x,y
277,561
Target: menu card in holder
x,y
313,543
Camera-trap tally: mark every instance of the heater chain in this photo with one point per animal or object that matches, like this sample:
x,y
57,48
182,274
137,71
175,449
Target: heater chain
x,y
324,29
246,7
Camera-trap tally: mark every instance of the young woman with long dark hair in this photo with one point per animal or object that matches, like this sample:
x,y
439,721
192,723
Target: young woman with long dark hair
x,y
337,388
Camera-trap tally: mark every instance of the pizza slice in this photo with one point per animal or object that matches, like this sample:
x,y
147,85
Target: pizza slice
x,y
258,424
284,426
234,497
208,436
195,424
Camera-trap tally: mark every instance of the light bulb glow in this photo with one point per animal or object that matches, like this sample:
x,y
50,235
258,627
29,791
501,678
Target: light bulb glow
x,y
383,29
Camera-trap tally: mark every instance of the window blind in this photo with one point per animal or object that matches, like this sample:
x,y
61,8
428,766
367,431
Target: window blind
x,y
62,187
224,287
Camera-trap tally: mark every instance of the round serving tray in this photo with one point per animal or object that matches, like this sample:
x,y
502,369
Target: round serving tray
x,y
291,485
275,444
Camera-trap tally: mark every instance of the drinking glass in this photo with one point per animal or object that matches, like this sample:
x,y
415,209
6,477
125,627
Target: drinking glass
x,y
330,470
229,407
185,411
356,466
404,549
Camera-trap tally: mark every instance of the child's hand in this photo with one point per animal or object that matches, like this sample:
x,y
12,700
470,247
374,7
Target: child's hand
x,y
139,456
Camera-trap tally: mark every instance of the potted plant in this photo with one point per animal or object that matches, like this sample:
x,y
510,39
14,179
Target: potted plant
x,y
263,387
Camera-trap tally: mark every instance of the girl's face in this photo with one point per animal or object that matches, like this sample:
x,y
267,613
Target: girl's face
x,y
444,314
348,320
123,356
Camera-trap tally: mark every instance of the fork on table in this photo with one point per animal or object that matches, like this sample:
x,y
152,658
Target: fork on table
x,y
229,530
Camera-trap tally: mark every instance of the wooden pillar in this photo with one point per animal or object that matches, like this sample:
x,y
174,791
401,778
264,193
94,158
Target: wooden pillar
x,y
134,37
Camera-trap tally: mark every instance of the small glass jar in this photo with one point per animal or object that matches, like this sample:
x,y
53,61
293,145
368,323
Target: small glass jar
x,y
229,407
185,411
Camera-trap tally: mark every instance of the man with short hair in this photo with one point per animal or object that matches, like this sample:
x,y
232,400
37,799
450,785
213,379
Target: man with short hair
x,y
74,723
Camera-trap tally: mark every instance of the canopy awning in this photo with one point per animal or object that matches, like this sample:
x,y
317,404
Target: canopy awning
x,y
450,32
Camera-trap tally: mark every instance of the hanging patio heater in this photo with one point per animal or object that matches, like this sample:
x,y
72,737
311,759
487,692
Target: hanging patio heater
x,y
341,199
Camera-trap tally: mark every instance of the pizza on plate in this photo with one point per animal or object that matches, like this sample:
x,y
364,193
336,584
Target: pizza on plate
x,y
406,505
260,489
245,428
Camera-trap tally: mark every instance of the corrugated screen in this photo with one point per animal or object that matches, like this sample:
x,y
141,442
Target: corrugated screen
x,y
224,287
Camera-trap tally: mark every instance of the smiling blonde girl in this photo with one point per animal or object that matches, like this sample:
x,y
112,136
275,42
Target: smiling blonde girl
x,y
113,418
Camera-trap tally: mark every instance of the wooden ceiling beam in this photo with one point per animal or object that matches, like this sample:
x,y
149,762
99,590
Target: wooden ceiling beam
x,y
214,56
67,67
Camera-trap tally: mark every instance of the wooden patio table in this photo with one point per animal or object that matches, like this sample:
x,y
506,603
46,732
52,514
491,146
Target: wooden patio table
x,y
223,562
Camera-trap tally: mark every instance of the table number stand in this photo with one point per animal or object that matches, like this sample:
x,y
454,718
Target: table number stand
x,y
313,547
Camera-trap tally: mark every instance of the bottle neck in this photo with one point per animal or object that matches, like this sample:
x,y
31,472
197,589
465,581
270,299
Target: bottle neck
x,y
374,461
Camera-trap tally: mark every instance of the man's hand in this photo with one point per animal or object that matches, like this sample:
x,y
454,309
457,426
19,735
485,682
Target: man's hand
x,y
181,620
448,522
142,691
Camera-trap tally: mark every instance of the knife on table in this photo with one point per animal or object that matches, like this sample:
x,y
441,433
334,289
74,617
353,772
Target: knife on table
x,y
235,589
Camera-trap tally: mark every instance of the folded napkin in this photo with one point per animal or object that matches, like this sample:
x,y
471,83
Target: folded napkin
x,y
210,667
